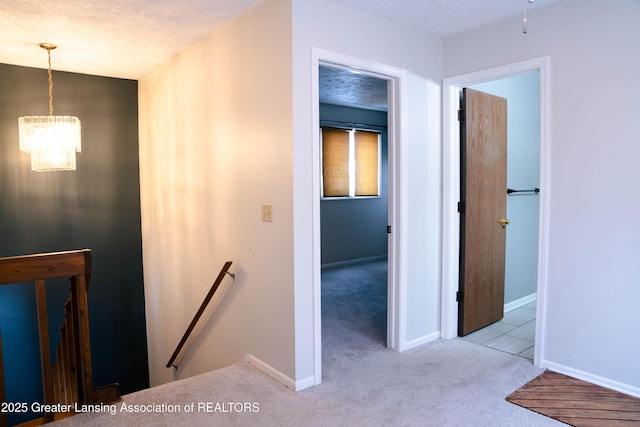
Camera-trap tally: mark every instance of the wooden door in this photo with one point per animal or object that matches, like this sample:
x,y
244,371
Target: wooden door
x,y
483,156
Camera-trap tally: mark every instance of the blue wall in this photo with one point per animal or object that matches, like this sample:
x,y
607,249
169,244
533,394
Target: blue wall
x,y
96,207
356,228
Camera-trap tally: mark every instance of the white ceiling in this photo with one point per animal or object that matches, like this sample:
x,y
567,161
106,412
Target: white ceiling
x,y
128,38
114,38
444,18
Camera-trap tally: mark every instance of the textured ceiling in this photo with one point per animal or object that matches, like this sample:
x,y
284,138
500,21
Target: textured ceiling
x,y
128,38
342,87
115,38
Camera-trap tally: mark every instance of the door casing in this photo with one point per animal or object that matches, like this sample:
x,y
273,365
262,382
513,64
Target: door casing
x,y
451,192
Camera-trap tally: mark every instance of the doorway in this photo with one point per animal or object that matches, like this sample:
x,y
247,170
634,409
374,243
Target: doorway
x,y
451,194
512,329
396,280
353,211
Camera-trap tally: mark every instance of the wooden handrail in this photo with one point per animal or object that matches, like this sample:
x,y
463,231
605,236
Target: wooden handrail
x,y
203,306
54,265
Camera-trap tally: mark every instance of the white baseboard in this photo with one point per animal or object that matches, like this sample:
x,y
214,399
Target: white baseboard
x,y
352,262
305,383
279,376
519,302
594,379
422,340
271,371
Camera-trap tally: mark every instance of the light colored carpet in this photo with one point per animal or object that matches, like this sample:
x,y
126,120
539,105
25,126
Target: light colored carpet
x,y
443,383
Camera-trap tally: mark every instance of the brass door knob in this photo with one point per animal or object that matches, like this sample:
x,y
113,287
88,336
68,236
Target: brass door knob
x,y
504,222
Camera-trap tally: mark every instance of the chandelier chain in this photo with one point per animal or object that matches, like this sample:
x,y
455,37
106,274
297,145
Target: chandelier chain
x,y
50,86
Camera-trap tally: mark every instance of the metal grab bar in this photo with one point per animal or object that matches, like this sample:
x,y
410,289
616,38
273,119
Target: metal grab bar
x,y
203,306
511,191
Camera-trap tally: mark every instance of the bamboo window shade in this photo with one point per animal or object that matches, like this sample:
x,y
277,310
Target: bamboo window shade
x,y
367,163
350,163
335,162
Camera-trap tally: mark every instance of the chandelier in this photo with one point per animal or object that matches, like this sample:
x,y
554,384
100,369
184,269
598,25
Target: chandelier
x,y
51,140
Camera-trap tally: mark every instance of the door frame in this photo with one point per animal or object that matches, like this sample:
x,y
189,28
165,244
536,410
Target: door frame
x,y
451,191
397,167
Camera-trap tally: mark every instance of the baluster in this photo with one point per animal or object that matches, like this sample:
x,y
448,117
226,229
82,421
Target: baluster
x,y
45,352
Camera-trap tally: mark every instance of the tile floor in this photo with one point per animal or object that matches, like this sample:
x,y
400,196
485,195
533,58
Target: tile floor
x,y
514,334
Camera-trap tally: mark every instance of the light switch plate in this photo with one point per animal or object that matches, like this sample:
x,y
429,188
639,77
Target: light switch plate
x,y
267,212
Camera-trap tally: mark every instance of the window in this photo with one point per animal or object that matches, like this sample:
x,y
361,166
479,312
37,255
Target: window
x,y
350,163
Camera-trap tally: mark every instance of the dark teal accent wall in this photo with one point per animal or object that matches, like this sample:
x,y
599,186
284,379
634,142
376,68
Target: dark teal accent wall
x,y
96,207
355,229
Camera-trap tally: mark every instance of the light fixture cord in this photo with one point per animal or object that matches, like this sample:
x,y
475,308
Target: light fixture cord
x,y
524,16
50,86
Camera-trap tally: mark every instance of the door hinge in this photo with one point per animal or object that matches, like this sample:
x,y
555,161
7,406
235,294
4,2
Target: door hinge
x,y
461,207
461,115
459,296
388,229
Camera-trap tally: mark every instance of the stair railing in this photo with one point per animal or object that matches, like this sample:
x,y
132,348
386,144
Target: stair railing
x,y
203,306
69,380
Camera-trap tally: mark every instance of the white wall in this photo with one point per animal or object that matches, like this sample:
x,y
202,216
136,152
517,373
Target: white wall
x,y
217,126
215,143
522,92
593,282
335,28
